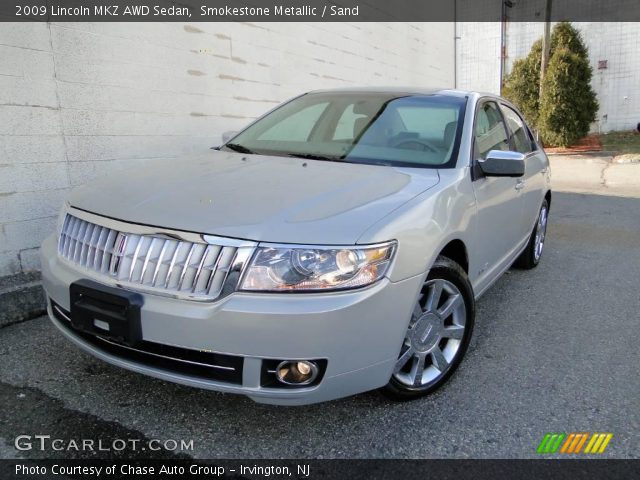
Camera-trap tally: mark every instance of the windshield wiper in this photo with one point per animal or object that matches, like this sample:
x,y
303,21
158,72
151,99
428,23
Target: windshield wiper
x,y
315,156
238,148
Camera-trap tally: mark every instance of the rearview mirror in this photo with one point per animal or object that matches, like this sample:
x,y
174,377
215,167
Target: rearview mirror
x,y
226,136
501,163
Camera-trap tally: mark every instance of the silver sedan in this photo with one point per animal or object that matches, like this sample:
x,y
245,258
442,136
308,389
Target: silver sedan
x,y
338,244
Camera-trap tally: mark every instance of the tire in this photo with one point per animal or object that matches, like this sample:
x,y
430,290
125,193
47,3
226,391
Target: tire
x,y
438,333
531,255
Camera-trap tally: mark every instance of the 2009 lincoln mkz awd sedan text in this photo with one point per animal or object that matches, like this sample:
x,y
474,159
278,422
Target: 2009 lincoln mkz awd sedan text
x,y
336,245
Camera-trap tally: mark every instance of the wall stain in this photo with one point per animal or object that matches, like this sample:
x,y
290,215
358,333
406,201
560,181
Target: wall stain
x,y
347,52
7,194
249,24
228,115
222,36
28,105
192,29
206,51
246,99
238,60
223,76
196,73
329,77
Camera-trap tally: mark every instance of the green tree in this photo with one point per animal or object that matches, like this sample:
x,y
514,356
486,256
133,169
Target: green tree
x,y
568,103
567,93
522,86
565,35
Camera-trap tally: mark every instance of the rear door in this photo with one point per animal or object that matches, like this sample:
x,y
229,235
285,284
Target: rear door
x,y
499,200
532,184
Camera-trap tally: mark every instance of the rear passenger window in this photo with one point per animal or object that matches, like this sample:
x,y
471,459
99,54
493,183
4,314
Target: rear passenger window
x,y
489,130
519,140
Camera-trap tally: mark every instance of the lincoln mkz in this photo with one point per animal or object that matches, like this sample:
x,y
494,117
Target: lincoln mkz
x,y
336,245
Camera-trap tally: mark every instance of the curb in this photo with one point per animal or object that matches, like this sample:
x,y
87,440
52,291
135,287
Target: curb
x,y
21,298
593,153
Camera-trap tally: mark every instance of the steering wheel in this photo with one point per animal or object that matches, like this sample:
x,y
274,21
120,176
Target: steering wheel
x,y
406,141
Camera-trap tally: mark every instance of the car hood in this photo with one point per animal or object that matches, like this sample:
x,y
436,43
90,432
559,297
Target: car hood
x,y
262,198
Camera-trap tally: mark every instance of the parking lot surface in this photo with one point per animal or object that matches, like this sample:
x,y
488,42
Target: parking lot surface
x,y
555,349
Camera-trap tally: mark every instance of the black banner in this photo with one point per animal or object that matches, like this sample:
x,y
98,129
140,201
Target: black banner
x,y
316,10
317,469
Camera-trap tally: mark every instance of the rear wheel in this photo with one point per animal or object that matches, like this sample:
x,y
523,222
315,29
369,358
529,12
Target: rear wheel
x,y
532,254
438,333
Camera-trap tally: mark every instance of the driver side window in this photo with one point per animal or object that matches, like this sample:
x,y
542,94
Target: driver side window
x,y
520,140
489,131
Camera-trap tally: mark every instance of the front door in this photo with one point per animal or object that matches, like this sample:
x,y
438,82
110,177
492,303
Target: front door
x,y
499,199
536,164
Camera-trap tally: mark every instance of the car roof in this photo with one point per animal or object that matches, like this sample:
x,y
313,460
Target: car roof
x,y
406,91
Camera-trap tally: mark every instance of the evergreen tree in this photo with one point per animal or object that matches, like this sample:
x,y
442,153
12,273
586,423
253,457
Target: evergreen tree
x,y
522,86
569,103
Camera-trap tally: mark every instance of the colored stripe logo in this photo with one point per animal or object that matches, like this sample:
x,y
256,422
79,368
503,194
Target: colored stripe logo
x,y
573,443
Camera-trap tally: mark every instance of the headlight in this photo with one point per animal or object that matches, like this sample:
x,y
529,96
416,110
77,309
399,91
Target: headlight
x,y
298,268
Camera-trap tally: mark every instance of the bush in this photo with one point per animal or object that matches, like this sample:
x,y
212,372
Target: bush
x,y
522,86
569,104
564,35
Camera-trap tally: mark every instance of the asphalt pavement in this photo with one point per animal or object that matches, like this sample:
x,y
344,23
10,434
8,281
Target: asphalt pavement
x,y
555,349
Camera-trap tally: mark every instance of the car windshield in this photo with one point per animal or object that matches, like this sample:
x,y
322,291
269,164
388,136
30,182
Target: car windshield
x,y
373,128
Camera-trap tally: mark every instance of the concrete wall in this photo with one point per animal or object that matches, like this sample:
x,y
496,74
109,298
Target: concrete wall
x,y
478,56
617,86
82,100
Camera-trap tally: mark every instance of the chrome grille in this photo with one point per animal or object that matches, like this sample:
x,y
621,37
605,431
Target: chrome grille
x,y
155,263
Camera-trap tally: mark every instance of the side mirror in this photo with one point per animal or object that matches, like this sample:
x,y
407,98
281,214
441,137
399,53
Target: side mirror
x,y
501,163
226,136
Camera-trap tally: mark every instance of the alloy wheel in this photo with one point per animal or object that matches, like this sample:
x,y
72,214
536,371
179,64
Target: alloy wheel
x,y
434,335
541,232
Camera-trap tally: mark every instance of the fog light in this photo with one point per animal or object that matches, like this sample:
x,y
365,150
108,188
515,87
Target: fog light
x,y
297,372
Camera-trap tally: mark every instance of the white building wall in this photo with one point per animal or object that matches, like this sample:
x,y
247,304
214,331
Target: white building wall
x,y
478,56
80,100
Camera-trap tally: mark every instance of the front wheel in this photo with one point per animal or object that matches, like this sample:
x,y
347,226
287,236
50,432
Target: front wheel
x,y
438,333
531,255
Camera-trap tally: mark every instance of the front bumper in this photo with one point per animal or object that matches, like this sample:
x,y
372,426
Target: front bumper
x,y
358,333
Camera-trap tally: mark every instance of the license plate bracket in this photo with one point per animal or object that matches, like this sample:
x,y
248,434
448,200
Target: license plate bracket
x,y
106,311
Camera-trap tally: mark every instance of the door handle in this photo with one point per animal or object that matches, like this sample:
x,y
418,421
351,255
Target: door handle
x,y
519,184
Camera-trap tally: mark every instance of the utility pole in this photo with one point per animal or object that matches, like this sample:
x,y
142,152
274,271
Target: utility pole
x,y
546,43
503,40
